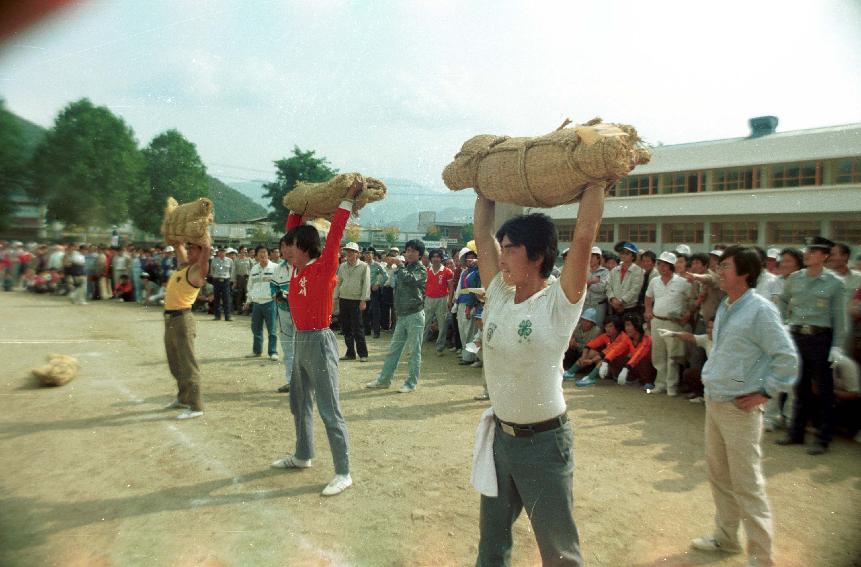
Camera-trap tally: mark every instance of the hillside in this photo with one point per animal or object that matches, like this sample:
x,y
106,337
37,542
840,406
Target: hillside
x,y
31,133
231,205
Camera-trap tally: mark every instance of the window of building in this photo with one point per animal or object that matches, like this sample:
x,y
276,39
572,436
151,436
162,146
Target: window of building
x,y
848,171
688,232
739,232
565,232
791,232
606,233
634,186
794,174
846,231
732,179
679,183
638,232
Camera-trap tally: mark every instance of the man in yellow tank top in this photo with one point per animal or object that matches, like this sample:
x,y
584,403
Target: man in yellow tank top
x,y
180,328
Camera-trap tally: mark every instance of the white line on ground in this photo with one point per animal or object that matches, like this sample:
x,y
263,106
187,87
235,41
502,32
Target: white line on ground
x,y
57,341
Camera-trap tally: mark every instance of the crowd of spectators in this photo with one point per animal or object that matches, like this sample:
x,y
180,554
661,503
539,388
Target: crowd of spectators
x,y
647,316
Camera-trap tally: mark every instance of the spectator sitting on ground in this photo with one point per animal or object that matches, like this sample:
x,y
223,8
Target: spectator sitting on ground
x,y
205,299
124,290
626,356
586,331
151,292
692,377
593,353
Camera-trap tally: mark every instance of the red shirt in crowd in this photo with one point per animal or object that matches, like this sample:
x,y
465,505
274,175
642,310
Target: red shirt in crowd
x,y
122,289
312,288
438,282
635,353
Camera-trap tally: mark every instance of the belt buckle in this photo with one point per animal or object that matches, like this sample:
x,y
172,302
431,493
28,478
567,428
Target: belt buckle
x,y
509,429
806,330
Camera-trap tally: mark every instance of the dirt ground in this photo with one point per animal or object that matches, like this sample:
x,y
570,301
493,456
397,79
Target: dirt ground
x,y
97,473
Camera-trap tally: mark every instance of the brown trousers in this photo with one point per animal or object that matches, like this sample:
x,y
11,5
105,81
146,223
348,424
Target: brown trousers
x,y
179,334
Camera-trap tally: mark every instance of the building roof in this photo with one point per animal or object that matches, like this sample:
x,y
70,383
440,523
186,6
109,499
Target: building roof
x,y
794,146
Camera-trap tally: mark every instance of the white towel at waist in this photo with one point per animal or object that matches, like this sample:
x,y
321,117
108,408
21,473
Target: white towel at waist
x,y
483,466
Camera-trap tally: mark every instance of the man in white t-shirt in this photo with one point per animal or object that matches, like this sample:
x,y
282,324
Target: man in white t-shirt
x,y
527,325
666,303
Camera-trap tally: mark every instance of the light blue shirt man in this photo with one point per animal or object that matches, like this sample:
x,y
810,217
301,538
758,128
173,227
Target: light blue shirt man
x,y
752,351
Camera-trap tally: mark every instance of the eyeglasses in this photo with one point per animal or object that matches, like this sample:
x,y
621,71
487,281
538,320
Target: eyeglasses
x,y
724,266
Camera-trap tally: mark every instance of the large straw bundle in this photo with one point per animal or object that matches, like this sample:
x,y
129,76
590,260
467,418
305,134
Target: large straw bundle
x,y
189,222
61,369
321,199
547,170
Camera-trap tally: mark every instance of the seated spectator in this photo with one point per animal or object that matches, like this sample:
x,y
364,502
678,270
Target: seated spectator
x,y
205,299
595,349
692,376
587,330
124,290
151,292
631,360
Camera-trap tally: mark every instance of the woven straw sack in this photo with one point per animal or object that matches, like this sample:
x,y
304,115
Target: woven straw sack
x,y
322,199
61,369
548,170
189,222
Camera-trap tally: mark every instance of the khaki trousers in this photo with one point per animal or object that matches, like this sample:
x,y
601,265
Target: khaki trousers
x,y
666,354
734,458
179,334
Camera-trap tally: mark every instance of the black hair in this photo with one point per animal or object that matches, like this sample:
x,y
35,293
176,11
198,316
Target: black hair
x,y
416,245
649,254
535,232
796,255
844,248
259,248
305,238
437,252
702,257
616,321
747,262
635,320
759,252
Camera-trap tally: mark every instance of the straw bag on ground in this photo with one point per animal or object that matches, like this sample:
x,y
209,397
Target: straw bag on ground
x,y
189,222
321,199
549,170
61,369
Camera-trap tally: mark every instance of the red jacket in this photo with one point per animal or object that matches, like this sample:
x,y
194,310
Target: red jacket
x,y
312,288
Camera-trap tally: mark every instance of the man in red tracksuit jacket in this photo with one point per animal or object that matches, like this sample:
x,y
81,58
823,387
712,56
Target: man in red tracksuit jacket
x,y
315,361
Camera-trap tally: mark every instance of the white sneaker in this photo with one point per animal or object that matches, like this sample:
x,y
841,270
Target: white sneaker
x,y
363,359
176,404
339,484
189,414
476,364
657,390
291,462
697,400
672,393
406,389
709,543
374,385
273,357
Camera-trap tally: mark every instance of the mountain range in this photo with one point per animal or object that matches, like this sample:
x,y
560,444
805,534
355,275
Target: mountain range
x,y
405,199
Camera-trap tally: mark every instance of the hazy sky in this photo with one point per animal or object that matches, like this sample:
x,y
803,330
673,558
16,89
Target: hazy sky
x,y
393,89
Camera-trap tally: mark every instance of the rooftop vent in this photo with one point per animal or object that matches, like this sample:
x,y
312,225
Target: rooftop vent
x,y
762,126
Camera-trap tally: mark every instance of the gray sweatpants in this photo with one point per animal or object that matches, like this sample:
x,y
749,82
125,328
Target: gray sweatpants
x,y
535,473
315,373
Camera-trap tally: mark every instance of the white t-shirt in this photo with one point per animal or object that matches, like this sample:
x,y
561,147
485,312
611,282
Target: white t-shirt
x,y
768,286
670,300
523,347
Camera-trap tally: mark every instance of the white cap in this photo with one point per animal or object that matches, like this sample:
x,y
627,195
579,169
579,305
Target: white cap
x,y
597,250
351,246
667,257
168,248
683,249
394,249
232,251
717,253
463,251
773,253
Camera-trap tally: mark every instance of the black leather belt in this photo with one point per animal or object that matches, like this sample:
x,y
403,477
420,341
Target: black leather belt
x,y
530,429
175,312
809,329
221,279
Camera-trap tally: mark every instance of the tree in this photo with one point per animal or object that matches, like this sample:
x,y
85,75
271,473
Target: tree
x,y
87,167
466,232
353,233
173,169
433,233
301,166
13,163
391,234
